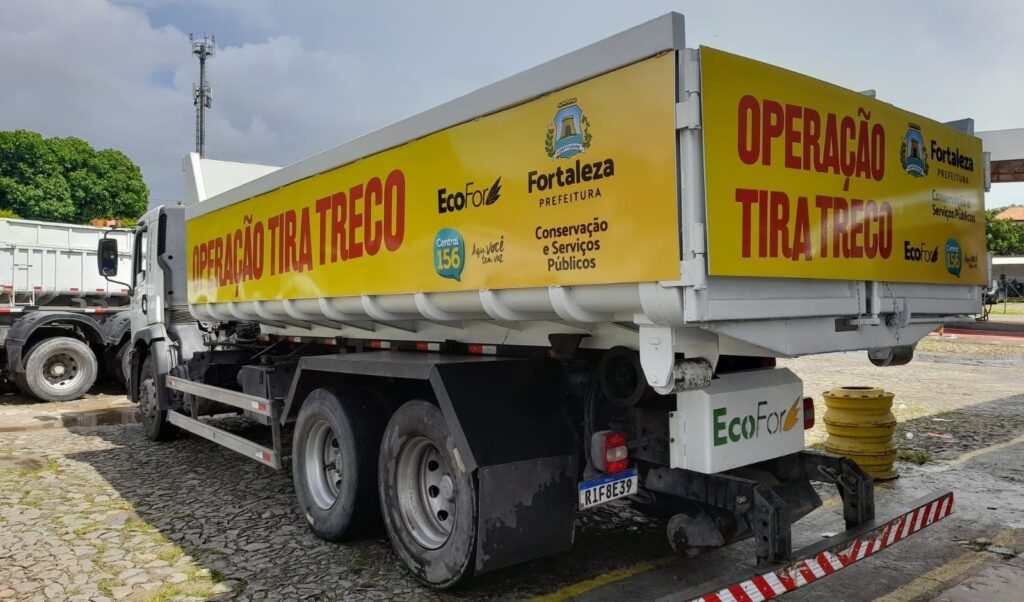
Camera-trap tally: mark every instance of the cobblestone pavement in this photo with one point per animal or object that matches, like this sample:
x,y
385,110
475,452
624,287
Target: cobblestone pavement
x,y
99,513
102,513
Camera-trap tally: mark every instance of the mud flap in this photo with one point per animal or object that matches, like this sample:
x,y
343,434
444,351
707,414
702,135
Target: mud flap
x,y
526,510
520,439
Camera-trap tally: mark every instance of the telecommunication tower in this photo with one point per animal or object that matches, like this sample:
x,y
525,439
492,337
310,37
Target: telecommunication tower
x,y
201,95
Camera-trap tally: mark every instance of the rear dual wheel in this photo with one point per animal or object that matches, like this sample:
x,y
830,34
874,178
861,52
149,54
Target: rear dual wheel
x,y
427,497
343,457
334,461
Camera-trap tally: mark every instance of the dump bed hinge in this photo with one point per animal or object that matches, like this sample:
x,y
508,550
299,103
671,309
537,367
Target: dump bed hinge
x,y
688,112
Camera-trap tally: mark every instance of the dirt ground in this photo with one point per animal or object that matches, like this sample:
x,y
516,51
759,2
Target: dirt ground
x,y
91,510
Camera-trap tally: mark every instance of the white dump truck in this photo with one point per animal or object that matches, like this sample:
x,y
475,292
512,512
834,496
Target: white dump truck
x,y
62,325
566,288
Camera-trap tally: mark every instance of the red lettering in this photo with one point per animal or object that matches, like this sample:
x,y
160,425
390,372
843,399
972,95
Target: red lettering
x,y
870,240
780,224
840,240
374,228
773,127
812,130
746,197
322,207
274,223
856,228
355,222
394,210
339,206
802,237
749,142
304,259
824,204
793,113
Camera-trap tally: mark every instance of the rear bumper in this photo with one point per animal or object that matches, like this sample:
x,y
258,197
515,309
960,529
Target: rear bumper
x,y
822,559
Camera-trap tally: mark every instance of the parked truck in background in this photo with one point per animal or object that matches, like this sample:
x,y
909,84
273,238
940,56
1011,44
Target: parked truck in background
x,y
62,325
565,288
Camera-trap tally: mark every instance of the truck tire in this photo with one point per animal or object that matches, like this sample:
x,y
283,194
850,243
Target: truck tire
x,y
427,498
154,420
334,461
116,364
58,369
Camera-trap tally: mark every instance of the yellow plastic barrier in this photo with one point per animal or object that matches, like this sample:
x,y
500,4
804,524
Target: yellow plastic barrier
x,y
860,426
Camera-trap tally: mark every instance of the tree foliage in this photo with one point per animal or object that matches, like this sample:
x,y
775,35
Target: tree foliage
x,y
1004,236
67,180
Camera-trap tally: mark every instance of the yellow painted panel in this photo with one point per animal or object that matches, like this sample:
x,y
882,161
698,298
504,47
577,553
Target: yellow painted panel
x,y
809,180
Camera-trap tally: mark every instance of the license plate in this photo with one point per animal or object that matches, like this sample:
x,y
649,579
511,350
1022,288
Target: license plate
x,y
605,489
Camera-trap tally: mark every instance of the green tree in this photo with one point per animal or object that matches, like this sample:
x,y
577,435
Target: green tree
x,y
1004,236
67,180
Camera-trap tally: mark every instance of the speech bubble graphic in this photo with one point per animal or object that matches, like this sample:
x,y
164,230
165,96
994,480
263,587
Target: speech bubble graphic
x,y
449,254
954,257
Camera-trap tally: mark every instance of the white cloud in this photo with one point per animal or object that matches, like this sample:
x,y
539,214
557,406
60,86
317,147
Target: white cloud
x,y
291,79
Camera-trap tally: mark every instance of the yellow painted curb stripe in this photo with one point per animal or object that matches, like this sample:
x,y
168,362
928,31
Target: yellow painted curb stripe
x,y
576,589
960,460
940,577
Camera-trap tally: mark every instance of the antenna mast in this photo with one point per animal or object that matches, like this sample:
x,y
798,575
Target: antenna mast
x,y
202,97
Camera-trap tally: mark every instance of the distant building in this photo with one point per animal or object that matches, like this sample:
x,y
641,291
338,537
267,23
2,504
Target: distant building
x,y
1014,214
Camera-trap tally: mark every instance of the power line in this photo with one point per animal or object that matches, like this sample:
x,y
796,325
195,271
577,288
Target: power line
x,y
202,97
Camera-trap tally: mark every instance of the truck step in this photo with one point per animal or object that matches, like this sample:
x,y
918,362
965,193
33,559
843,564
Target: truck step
x,y
242,401
227,439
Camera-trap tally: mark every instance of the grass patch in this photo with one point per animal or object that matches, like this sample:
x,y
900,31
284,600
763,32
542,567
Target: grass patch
x,y
916,457
139,525
166,592
170,555
106,586
217,576
87,528
51,466
31,502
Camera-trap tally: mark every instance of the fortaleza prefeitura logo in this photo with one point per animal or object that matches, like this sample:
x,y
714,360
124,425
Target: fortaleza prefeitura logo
x,y
569,132
912,152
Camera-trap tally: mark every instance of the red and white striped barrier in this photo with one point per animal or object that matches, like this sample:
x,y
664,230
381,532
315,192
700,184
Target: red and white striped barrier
x,y
808,570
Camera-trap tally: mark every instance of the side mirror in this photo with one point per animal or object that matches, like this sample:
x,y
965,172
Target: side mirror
x,y
107,257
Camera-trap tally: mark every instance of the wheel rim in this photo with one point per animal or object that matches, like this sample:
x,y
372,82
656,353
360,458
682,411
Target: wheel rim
x,y
63,370
323,464
426,492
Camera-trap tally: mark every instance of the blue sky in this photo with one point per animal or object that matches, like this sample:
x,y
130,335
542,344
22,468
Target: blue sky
x,y
293,78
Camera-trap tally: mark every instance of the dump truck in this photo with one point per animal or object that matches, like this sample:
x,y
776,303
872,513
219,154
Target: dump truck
x,y
62,325
566,288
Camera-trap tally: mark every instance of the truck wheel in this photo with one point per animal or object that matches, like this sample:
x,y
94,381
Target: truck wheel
x,y
334,461
154,420
59,369
117,364
428,501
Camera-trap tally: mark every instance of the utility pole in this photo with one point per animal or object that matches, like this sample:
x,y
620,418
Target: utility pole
x,y
202,97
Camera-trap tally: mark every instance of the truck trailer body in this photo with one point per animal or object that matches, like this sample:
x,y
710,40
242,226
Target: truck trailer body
x,y
62,325
565,288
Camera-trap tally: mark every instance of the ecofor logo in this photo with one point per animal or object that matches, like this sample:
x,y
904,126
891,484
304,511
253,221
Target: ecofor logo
x,y
750,426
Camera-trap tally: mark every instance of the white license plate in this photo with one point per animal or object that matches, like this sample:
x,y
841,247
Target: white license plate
x,y
605,489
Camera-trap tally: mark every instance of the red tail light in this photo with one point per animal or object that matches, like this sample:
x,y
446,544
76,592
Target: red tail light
x,y
609,452
808,413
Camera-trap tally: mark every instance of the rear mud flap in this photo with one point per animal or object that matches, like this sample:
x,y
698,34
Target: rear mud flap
x,y
526,510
